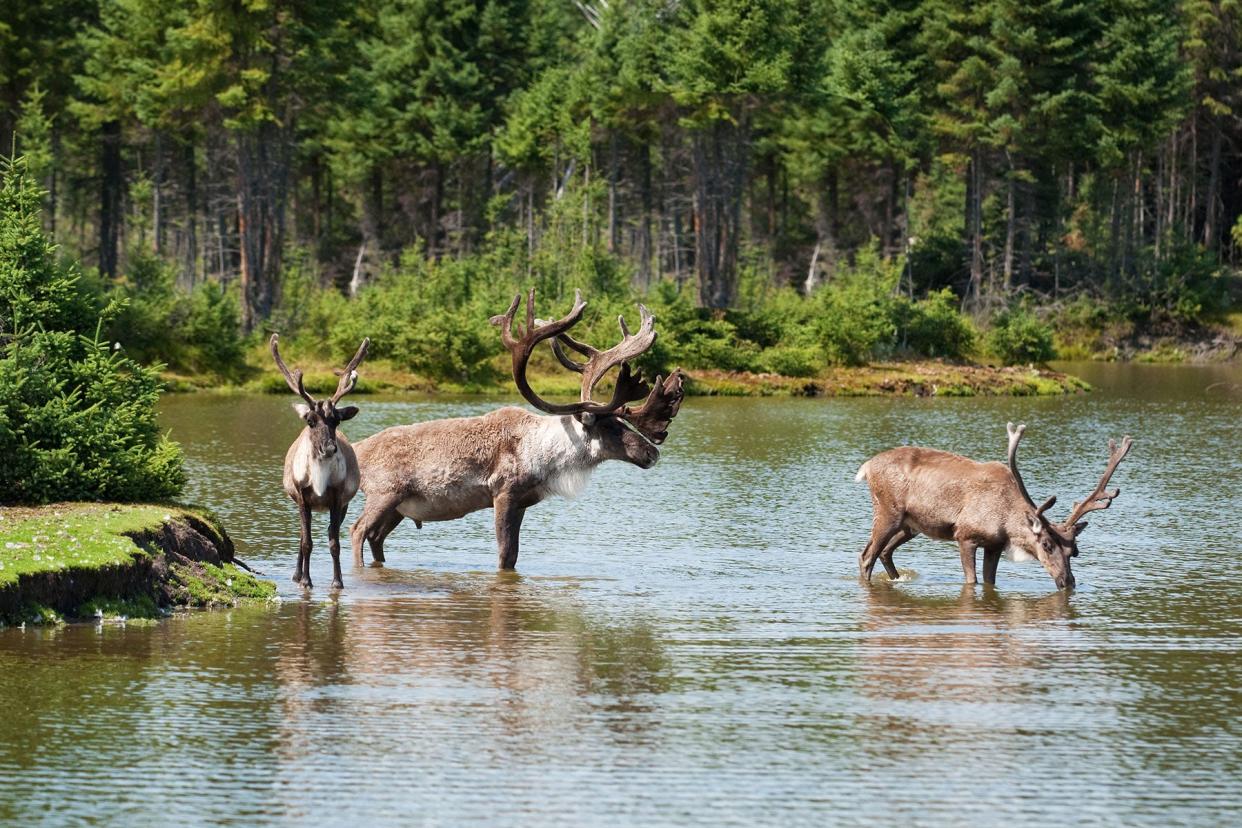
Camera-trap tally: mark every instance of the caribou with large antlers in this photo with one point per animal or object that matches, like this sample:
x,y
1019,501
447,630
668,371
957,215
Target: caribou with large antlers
x,y
980,505
511,459
321,471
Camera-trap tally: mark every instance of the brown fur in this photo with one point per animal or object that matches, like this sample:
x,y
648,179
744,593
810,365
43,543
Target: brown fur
x,y
921,491
509,459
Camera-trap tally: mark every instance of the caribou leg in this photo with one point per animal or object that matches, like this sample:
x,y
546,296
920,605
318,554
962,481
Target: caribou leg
x,y
991,558
379,517
967,548
508,525
301,575
380,531
886,555
336,517
883,528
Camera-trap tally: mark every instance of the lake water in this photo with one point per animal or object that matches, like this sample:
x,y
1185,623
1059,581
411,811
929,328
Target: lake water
x,y
684,645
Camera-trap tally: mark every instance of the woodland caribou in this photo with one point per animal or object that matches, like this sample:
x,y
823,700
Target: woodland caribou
x,y
511,459
980,505
321,471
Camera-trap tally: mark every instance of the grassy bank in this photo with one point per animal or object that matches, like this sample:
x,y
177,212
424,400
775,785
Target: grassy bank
x,y
100,560
919,378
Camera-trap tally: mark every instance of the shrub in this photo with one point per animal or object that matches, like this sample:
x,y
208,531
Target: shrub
x,y
934,326
792,360
1018,337
77,418
155,321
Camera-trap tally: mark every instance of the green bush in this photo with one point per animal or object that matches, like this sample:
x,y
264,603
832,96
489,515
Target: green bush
x,y
156,321
1018,337
934,326
792,360
77,418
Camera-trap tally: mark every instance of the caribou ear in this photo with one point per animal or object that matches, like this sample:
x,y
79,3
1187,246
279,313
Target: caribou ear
x,y
1077,528
1037,525
587,419
303,410
347,413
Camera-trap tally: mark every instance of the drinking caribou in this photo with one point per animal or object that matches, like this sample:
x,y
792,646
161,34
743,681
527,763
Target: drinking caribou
x,y
321,471
980,505
511,459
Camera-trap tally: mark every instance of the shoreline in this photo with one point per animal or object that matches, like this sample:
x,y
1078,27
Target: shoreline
x,y
906,378
110,561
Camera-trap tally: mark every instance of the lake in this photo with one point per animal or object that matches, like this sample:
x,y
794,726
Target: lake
x,y
686,645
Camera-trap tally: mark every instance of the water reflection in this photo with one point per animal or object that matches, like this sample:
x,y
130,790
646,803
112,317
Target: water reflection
x,y
684,645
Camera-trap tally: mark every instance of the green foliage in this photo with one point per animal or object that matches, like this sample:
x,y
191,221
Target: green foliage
x,y
77,418
1018,337
934,326
1179,288
156,321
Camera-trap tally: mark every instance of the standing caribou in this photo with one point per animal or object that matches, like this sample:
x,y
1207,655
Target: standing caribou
x,y
321,471
980,505
511,459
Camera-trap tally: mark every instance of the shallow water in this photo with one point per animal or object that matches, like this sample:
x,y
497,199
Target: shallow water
x,y
684,645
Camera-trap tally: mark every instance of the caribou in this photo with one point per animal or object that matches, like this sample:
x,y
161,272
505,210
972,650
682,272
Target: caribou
x,y
321,470
980,505
510,459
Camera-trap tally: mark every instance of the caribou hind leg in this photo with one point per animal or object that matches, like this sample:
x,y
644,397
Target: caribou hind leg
x,y
886,555
379,517
884,526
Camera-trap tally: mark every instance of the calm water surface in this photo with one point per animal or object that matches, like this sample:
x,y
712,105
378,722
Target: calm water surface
x,y
685,645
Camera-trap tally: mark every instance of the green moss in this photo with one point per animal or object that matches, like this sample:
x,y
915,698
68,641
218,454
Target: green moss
x,y
79,541
208,585
40,615
120,609
71,536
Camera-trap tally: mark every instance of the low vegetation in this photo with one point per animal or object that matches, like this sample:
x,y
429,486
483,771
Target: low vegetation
x,y
99,560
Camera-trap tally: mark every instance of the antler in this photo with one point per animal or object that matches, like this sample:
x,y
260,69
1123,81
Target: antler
x,y
1015,437
1099,498
294,378
629,386
523,345
349,377
651,419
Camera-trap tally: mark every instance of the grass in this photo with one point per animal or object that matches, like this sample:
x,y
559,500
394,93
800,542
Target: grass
x,y
925,377
66,536
74,540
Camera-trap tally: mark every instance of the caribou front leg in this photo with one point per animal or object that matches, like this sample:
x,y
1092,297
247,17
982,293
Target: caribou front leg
x,y
336,517
967,549
508,526
991,558
301,575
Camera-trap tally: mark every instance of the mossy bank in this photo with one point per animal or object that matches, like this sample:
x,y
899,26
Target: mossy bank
x,y
912,378
101,560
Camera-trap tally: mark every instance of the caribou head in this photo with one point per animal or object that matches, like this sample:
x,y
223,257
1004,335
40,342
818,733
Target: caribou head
x,y
620,431
1053,544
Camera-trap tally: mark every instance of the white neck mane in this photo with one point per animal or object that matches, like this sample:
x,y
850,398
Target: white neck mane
x,y
559,452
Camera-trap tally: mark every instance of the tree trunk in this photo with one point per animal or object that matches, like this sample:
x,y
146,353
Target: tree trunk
x,y
1010,227
109,197
719,176
1212,200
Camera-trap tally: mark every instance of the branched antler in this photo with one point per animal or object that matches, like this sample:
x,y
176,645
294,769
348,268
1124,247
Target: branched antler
x,y
349,376
293,378
522,345
1015,437
1100,498
651,419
